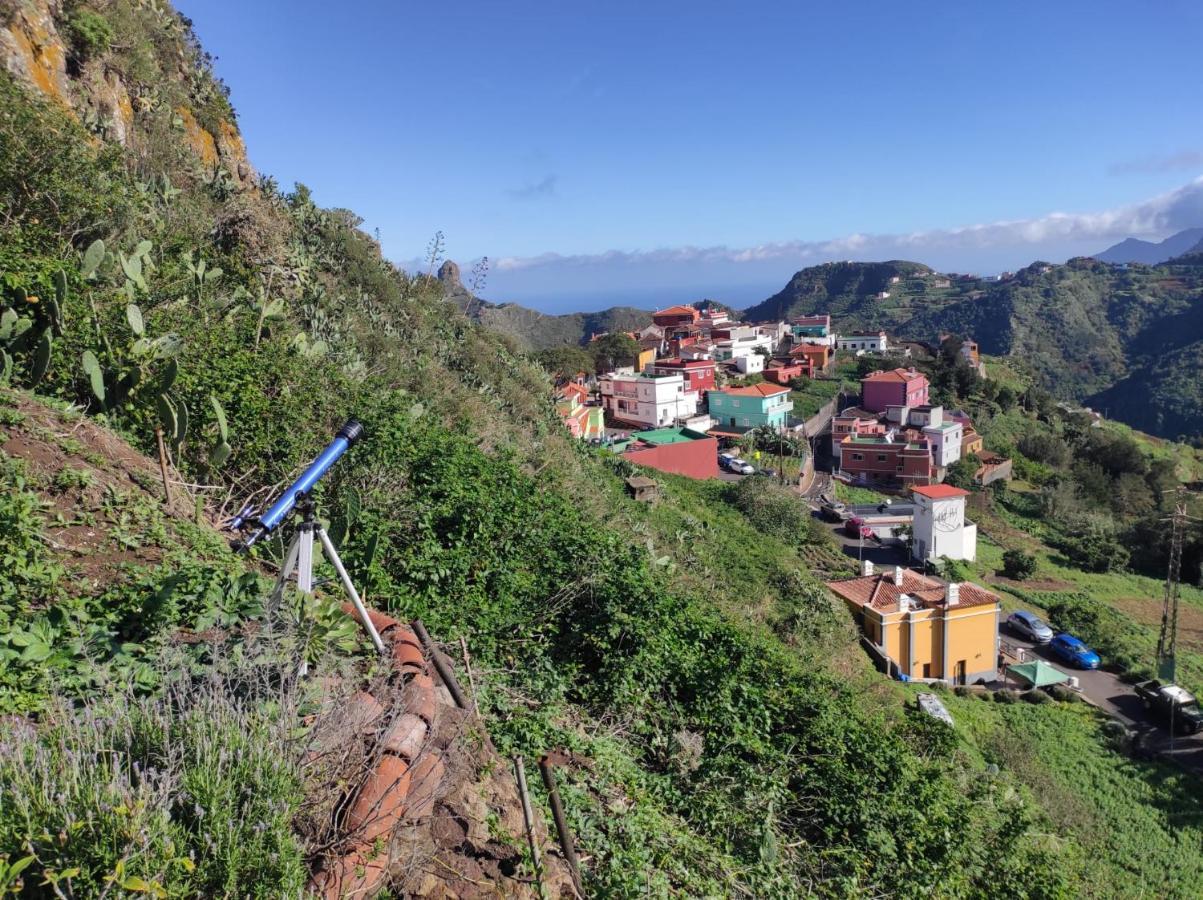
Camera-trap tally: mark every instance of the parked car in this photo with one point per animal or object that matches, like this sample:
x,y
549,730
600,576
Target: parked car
x,y
725,460
1172,705
1029,625
833,510
856,527
741,468
1072,651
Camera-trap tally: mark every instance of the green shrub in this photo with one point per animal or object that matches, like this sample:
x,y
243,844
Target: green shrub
x,y
90,33
1006,695
1036,696
1019,565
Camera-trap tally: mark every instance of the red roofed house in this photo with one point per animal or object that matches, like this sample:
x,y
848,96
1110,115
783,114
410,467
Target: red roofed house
x,y
699,373
898,387
817,355
923,629
783,372
681,451
940,529
676,315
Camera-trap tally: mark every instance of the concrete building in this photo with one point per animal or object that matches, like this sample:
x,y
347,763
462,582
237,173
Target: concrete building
x,y
676,315
940,528
898,387
862,342
750,407
698,373
944,439
921,629
882,460
646,399
751,364
810,327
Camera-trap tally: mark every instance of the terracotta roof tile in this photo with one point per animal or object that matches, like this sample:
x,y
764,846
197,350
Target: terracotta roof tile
x,y
879,591
756,390
940,491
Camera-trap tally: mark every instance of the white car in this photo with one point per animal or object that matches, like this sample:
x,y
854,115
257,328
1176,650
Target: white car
x,y
741,467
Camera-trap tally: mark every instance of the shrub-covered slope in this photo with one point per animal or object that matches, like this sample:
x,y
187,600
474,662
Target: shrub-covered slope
x,y
730,737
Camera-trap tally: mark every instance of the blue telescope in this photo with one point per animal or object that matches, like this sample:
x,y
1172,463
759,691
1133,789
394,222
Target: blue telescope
x,y
268,522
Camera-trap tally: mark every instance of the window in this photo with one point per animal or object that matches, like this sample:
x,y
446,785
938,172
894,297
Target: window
x,y
927,670
881,457
858,456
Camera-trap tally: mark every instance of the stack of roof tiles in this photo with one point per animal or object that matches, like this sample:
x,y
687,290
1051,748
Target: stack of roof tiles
x,y
402,786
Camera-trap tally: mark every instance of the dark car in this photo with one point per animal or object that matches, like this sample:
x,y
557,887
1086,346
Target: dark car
x,y
1172,705
1029,625
1072,651
833,511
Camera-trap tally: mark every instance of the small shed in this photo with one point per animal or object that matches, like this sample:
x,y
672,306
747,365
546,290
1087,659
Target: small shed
x,y
1038,673
643,489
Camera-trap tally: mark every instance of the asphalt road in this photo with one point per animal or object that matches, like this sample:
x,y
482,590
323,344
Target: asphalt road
x,y
1118,700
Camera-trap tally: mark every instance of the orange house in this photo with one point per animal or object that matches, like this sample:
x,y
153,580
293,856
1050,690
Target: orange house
x,y
923,629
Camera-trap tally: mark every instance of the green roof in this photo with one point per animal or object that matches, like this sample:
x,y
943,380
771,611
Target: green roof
x,y
943,426
667,436
1038,673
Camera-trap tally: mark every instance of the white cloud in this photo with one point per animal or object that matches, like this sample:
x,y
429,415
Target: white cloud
x,y
1173,211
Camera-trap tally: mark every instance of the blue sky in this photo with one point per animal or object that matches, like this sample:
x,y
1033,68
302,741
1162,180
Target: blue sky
x,y
652,152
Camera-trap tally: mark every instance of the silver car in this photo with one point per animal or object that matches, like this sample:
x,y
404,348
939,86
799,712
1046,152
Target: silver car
x,y
1030,626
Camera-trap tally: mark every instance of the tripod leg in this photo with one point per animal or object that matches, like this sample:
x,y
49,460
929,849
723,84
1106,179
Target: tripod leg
x,y
305,558
290,562
332,555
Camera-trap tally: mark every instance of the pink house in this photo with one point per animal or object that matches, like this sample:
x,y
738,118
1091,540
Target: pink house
x,y
899,387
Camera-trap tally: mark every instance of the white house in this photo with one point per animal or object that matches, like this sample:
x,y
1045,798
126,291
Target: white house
x,y
648,400
751,364
734,348
862,342
940,527
945,441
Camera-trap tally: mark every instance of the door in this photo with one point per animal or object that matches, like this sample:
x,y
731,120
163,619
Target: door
x,y
959,677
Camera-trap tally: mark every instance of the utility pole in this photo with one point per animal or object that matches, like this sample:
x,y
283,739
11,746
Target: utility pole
x,y
1167,641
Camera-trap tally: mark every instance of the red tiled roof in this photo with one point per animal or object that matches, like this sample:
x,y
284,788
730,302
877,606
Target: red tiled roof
x,y
573,388
940,491
756,390
894,376
676,311
879,591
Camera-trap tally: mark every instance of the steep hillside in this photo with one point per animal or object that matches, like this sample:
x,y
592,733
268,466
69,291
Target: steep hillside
x,y
845,289
711,702
1134,250
1124,339
531,330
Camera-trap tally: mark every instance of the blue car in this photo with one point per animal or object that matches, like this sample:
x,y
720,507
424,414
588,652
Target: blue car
x,y
1071,651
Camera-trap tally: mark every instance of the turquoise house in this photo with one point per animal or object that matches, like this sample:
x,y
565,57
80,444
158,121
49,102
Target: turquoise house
x,y
750,407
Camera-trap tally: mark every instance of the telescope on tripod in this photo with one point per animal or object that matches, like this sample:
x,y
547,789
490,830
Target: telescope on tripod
x,y
298,499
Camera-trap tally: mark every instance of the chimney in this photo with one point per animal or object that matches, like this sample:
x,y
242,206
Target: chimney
x,y
954,593
866,568
898,576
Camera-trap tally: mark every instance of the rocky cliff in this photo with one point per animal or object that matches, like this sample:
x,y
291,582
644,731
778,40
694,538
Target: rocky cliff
x,y
93,60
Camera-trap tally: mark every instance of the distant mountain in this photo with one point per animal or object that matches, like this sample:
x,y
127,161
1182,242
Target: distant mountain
x,y
531,329
1134,250
1128,341
849,290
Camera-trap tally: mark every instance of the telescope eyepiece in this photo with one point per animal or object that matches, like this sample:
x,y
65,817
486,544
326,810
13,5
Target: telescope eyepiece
x,y
352,431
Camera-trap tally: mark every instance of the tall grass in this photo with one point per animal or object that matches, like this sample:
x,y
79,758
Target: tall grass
x,y
189,793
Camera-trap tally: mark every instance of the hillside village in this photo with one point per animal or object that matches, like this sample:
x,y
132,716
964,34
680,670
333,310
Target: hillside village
x,y
705,393
785,607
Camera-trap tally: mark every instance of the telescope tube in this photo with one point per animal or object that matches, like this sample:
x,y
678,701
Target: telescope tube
x,y
270,520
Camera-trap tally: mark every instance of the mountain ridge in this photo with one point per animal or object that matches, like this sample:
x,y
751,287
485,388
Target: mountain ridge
x,y
1135,250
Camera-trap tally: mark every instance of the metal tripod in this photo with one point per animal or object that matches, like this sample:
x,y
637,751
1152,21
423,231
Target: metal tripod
x,y
300,558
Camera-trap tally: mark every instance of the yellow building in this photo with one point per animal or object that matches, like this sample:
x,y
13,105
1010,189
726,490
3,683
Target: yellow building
x,y
647,356
923,628
971,442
